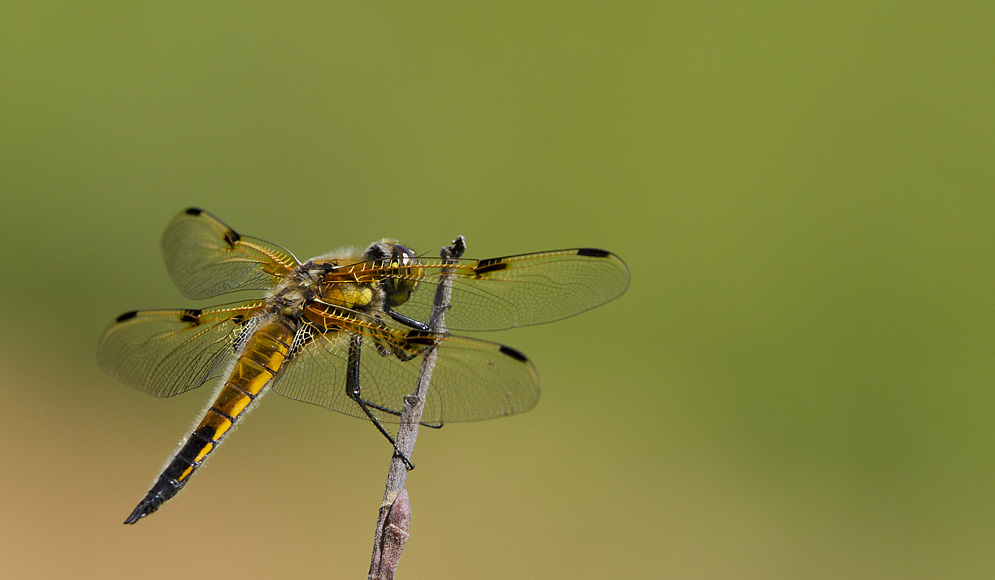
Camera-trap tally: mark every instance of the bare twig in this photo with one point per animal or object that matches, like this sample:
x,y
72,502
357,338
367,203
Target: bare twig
x,y
395,534
395,510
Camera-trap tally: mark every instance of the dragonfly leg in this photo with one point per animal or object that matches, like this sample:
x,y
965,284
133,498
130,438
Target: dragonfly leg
x,y
372,405
353,390
406,320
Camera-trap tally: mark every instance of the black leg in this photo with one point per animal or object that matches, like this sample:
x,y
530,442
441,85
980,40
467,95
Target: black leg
x,y
405,320
372,405
353,390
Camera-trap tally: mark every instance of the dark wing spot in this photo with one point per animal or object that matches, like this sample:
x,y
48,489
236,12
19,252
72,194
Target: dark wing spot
x,y
232,237
192,316
514,353
593,253
422,337
490,265
127,316
194,211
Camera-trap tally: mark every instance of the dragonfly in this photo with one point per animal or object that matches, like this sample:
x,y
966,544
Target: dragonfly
x,y
347,331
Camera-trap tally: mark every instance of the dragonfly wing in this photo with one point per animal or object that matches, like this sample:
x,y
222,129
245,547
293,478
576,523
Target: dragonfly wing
x,y
473,380
206,258
167,352
512,291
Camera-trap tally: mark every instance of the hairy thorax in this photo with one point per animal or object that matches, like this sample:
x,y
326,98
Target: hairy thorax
x,y
347,280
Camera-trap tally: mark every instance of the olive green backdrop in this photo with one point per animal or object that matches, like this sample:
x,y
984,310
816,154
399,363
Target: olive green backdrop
x,y
798,384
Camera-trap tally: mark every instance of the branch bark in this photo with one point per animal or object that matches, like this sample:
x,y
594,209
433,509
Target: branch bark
x,y
395,510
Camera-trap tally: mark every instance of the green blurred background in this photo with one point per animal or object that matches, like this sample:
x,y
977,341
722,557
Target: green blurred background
x,y
798,383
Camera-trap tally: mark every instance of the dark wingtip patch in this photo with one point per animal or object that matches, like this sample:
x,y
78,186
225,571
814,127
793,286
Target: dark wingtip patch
x,y
193,211
514,353
593,253
126,316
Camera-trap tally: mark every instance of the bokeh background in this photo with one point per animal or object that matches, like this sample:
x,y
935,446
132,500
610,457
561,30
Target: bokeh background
x,y
798,384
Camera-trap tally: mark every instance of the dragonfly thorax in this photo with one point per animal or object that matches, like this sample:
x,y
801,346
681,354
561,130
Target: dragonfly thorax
x,y
300,286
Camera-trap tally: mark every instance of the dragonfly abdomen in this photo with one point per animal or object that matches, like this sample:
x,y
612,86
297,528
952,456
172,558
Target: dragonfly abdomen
x,y
260,360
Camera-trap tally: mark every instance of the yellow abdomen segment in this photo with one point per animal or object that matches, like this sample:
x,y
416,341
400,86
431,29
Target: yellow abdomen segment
x,y
260,360
262,357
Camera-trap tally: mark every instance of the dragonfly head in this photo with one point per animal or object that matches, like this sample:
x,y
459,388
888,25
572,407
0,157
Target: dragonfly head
x,y
390,251
401,269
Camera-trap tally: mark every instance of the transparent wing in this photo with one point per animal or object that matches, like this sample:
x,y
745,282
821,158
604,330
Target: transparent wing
x,y
167,352
500,293
473,380
205,257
